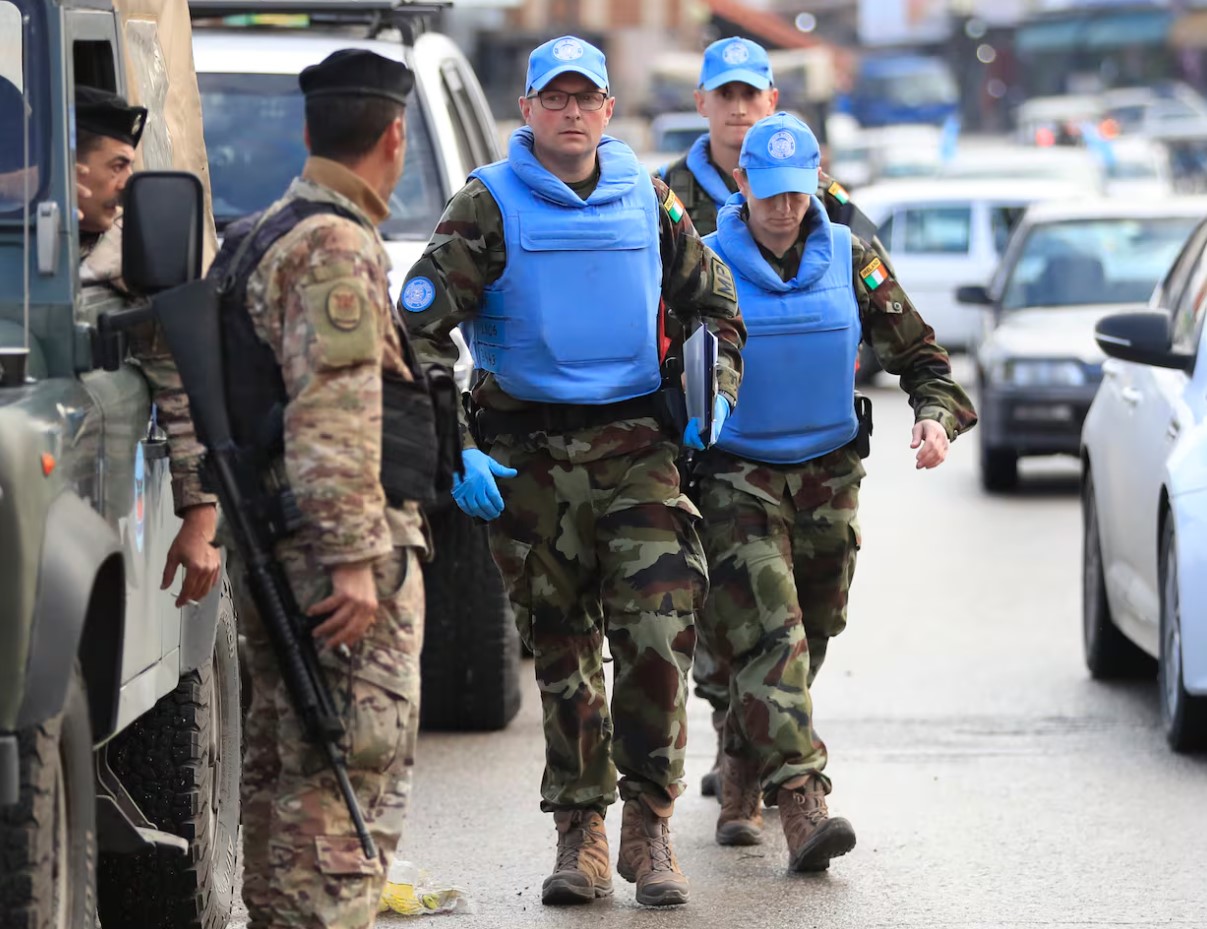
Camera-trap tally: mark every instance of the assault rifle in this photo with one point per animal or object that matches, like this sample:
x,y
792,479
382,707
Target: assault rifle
x,y
257,518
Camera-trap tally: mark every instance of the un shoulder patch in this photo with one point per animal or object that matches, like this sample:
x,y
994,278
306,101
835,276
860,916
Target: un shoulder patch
x,y
722,281
418,294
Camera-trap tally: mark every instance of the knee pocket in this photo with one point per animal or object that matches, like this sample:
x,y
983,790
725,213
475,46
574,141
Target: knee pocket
x,y
656,562
380,694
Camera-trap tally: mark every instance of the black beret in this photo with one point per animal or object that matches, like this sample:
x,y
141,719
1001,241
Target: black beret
x,y
353,72
103,112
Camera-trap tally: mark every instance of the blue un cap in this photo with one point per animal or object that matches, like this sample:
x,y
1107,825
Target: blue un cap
x,y
780,155
735,60
566,54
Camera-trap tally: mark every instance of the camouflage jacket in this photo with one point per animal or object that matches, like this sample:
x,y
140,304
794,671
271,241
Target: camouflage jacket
x,y
101,263
467,253
902,341
320,299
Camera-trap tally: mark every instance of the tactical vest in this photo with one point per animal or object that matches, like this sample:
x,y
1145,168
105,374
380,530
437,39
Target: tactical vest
x,y
698,184
414,456
574,316
803,338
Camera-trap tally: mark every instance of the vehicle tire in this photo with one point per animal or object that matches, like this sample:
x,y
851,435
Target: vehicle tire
x,y
181,764
1109,654
999,469
471,649
48,840
1183,716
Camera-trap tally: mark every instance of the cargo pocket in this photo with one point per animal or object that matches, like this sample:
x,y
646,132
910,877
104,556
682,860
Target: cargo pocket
x,y
342,856
512,556
379,717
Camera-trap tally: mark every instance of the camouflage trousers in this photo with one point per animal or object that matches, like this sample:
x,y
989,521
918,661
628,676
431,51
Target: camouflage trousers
x,y
596,540
302,863
781,545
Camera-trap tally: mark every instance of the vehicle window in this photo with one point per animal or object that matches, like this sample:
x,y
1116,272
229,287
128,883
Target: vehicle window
x,y
885,232
1174,283
1188,315
1094,261
21,173
249,170
944,230
1002,220
477,148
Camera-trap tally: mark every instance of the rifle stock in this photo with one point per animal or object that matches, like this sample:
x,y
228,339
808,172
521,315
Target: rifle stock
x,y
190,320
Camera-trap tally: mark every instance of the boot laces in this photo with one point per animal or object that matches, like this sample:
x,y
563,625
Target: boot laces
x,y
660,849
812,806
570,845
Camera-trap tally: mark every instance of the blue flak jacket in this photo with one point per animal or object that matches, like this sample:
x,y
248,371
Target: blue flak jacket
x,y
798,385
574,316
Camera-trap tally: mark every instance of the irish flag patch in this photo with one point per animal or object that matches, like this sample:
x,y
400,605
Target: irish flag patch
x,y
839,193
673,205
874,274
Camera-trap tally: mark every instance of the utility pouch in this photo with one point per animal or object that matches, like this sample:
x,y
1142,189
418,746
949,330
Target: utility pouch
x,y
442,388
410,451
670,403
863,415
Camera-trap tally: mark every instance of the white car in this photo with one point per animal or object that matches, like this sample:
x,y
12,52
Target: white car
x,y
1138,168
943,233
1144,498
1068,265
252,111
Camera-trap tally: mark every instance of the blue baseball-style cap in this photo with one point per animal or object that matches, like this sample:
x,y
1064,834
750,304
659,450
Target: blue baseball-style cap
x,y
568,53
780,155
735,60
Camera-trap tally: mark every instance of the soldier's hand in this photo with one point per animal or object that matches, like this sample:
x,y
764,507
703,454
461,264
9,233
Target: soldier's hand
x,y
933,441
352,605
191,549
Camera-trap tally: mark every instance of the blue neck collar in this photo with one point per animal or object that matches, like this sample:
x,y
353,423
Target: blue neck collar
x,y
706,173
743,252
619,171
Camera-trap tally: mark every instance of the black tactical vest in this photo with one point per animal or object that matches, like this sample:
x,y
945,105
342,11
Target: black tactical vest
x,y
419,447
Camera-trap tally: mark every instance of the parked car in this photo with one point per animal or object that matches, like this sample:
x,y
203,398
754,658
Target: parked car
x,y
1078,169
247,75
1138,168
1055,120
903,88
1067,266
1144,498
939,233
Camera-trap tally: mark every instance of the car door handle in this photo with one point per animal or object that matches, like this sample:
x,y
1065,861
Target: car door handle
x,y
1131,396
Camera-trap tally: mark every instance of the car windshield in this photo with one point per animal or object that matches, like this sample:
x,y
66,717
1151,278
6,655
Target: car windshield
x,y
251,169
1094,261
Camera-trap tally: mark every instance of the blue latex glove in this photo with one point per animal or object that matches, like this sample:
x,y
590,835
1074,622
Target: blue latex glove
x,y
477,493
691,435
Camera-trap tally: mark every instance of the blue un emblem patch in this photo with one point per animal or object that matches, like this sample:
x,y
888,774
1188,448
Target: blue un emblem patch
x,y
418,294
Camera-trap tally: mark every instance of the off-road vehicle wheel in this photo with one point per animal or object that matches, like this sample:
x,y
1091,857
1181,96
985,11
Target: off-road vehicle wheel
x,y
48,840
181,764
471,649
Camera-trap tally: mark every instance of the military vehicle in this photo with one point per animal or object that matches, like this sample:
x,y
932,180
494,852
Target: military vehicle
x,y
120,721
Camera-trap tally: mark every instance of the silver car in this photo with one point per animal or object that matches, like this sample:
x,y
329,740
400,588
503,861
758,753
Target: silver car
x,y
1067,265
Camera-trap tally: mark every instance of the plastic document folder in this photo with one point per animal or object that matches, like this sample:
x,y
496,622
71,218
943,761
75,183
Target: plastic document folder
x,y
700,378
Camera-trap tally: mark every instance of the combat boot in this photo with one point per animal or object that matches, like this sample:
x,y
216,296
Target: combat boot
x,y
813,837
646,857
710,783
582,871
741,819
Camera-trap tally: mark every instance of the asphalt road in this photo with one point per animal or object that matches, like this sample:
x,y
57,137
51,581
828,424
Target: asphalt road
x,y
990,782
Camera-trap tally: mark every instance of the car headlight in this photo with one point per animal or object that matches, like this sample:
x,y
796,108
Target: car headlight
x,y
1038,372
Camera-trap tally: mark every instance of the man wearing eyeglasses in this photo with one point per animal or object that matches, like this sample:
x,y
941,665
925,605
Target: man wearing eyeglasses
x,y
554,263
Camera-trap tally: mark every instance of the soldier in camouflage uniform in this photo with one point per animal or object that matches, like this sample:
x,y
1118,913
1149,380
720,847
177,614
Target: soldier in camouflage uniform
x,y
559,295
780,491
107,133
737,89
319,299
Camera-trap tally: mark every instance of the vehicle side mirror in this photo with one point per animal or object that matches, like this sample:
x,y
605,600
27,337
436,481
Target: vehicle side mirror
x,y
162,230
1140,337
974,295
